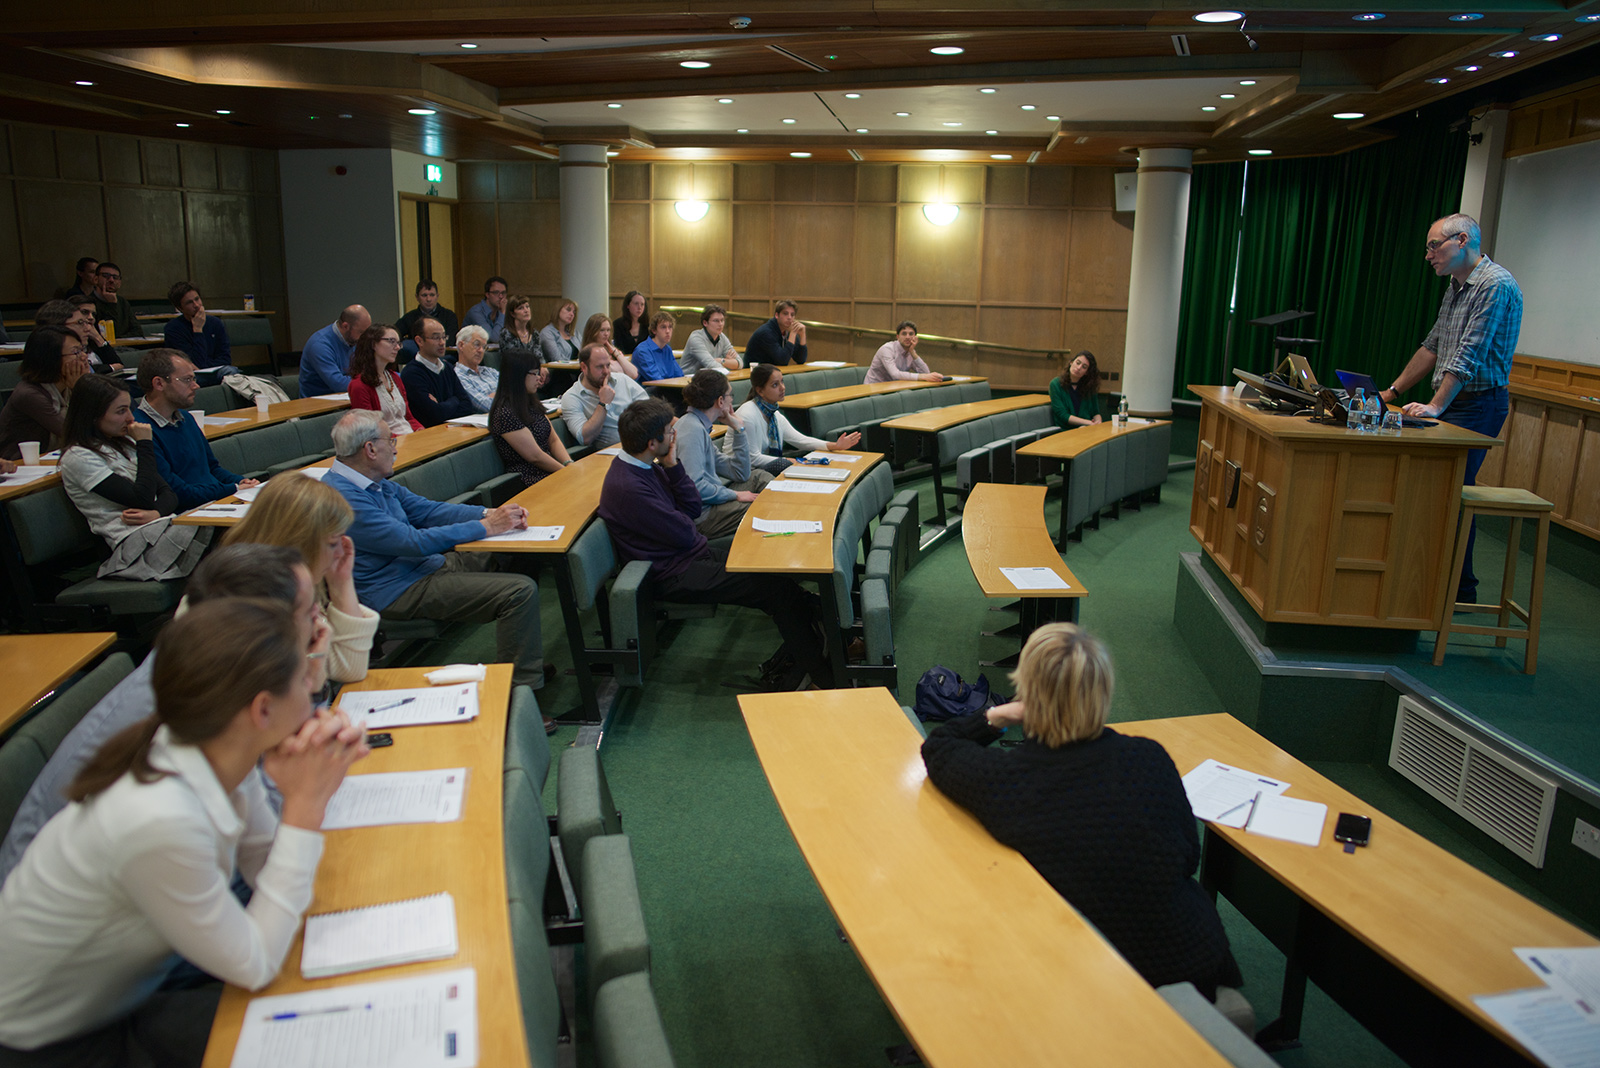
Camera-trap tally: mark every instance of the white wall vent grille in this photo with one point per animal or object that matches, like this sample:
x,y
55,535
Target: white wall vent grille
x,y
1502,797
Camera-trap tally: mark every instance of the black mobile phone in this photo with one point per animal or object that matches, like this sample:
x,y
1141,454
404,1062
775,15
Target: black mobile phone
x,y
1353,829
380,739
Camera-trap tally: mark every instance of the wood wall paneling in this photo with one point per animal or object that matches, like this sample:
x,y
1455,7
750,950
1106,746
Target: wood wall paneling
x,y
874,316
1563,437
795,183
547,181
948,320
77,155
1050,187
478,242
147,235
1585,514
1095,187
13,278
630,248
630,181
530,249
1024,257
198,166
59,219
5,150
876,183
1007,186
694,256
813,251
1103,333
752,245
161,163
119,159
34,151
874,256
222,255
476,181
835,183
753,181
672,181
1028,328
936,262
515,181
1100,260
264,171
233,169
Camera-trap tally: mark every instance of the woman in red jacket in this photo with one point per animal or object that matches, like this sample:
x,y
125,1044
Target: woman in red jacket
x,y
373,385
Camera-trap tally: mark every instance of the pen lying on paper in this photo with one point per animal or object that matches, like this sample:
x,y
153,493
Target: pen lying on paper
x,y
1251,802
315,1012
393,704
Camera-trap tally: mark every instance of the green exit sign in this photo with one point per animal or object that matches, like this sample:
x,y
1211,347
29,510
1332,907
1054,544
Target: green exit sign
x,y
433,172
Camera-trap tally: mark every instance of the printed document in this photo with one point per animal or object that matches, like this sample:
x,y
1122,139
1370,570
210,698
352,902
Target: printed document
x,y
832,457
1553,1028
528,534
382,709
1224,794
1034,578
785,485
397,797
1573,972
822,474
787,526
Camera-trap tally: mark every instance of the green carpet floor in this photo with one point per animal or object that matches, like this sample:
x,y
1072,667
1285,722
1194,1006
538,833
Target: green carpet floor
x,y
747,963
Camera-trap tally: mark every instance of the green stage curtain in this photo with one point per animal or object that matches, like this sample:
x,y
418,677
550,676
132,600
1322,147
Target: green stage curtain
x,y
1341,236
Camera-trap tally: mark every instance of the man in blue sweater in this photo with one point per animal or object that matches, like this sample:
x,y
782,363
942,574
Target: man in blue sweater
x,y
199,336
649,505
405,566
183,456
432,389
325,361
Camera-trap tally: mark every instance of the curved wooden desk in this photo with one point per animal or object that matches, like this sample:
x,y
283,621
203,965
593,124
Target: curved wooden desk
x,y
1003,526
35,664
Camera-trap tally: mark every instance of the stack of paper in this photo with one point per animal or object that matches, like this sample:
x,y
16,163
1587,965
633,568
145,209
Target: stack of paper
x,y
528,534
397,797
821,474
833,457
480,419
1223,794
382,709
785,485
787,526
379,936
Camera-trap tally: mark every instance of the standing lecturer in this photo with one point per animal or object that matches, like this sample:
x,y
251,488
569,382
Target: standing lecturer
x,y
1468,350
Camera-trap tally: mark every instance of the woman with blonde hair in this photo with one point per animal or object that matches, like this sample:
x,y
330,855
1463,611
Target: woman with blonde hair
x,y
301,513
558,342
598,331
1101,815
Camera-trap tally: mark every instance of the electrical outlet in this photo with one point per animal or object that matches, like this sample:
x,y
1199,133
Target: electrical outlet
x,y
1586,837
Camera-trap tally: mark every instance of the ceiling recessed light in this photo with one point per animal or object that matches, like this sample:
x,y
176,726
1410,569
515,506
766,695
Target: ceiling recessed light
x,y
801,155
1587,18
182,125
468,44
694,64
1546,38
1208,107
224,111
613,105
985,90
346,115
862,129
1248,81
1470,16
1469,68
1370,16
991,133
613,152
1349,115
1508,54
952,124
1261,151
902,114
1053,118
789,122
1229,96
1437,81
725,100
741,131
1219,16
81,82
1027,107
421,111
947,50
999,155
852,96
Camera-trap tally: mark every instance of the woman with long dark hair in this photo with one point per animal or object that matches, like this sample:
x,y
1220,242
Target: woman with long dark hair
x,y
527,443
518,335
374,385
1075,393
633,326
52,362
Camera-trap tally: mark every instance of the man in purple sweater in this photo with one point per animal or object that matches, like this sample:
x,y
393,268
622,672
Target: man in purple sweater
x,y
649,505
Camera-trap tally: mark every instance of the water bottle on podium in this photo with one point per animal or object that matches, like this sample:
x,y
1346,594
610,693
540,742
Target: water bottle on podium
x,y
1357,411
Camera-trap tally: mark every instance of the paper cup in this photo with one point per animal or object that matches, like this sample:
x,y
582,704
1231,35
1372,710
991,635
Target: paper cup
x,y
30,452
262,402
199,416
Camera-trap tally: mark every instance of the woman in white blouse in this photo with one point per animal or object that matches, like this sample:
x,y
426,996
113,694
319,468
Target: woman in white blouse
x,y
138,866
769,431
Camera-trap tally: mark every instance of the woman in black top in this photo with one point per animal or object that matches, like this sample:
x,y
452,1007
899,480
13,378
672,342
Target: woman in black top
x,y
527,443
633,326
1101,815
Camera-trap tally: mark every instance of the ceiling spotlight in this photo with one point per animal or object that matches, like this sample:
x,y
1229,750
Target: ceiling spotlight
x,y
1208,107
862,129
1437,81
421,111
1027,107
789,122
612,152
1219,16
940,214
182,125
1503,55
1470,68
852,96
985,90
947,50
999,155
694,64
468,44
801,155
1347,115
902,114
346,115
613,105
952,124
1587,18
1248,81
691,210
991,133
741,131
1229,96
1370,16
1260,151
81,82
1053,118
725,100
1546,38
1466,17
224,111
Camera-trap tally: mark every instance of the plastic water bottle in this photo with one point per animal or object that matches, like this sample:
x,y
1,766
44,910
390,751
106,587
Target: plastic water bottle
x,y
1357,411
1122,411
1375,414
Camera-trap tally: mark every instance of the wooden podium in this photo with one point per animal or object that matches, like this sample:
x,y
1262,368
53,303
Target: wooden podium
x,y
1324,525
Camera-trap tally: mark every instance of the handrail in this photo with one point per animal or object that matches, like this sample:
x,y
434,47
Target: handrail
x,y
875,332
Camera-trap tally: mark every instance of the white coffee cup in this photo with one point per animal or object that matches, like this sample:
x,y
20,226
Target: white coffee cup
x,y
262,402
199,417
30,452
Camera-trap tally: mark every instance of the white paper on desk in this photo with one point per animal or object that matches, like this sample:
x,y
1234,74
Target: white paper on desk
x,y
315,472
217,420
1552,1028
481,419
249,493
422,1021
53,454
331,396
819,474
528,534
614,450
785,485
387,797
382,709
379,936
825,363
832,457
787,526
1222,794
1288,818
26,473
1034,578
1574,972
221,511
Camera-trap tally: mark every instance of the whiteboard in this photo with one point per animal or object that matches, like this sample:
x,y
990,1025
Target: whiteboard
x,y
1549,238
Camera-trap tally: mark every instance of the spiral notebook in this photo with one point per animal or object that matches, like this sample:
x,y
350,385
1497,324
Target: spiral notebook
x,y
378,936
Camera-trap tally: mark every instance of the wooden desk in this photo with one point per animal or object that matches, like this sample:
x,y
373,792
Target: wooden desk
x,y
1328,526
281,412
744,372
980,960
1400,933
1003,526
816,398
370,865
927,425
35,664
8,490
1068,445
1552,449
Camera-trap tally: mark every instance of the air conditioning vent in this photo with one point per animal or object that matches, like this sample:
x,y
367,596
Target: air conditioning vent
x,y
1497,794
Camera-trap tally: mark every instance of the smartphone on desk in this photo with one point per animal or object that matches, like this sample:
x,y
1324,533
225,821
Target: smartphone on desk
x,y
1357,830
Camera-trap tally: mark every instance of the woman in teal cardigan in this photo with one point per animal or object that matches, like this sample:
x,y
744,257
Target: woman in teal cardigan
x,y
1075,394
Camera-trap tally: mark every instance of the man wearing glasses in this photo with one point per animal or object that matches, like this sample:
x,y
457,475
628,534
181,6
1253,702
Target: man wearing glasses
x,y
436,395
1468,351
109,303
490,312
183,456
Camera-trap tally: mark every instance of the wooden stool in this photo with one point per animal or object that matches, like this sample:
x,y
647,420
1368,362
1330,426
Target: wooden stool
x,y
1517,505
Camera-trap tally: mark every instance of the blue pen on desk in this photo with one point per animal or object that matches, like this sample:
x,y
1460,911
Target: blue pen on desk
x,y
315,1012
394,704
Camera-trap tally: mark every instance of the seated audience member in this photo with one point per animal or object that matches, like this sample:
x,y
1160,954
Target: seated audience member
x,y
780,341
183,456
300,513
490,312
374,385
325,361
723,479
1103,816
654,357
558,342
1075,393
599,331
897,360
633,325
592,405
268,571
768,431
428,307
518,335
52,364
405,566
477,380
77,315
109,303
108,467
84,286
138,867
709,346
432,388
523,436
650,505
199,336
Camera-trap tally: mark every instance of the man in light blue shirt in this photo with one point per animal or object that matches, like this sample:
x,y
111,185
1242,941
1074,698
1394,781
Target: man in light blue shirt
x,y
405,566
723,478
490,312
325,361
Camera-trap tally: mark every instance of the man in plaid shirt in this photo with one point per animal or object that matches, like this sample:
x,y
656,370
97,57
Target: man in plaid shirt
x,y
1468,350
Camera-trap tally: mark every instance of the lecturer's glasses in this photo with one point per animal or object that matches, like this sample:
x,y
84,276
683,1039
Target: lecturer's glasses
x,y
1433,246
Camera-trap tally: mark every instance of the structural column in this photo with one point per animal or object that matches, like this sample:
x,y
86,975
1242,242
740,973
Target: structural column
x,y
1155,285
585,229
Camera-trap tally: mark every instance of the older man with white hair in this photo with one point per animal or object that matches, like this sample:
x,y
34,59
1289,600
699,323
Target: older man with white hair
x,y
480,382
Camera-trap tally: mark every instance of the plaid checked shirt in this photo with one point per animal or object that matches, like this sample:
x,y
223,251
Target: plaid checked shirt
x,y
1477,328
